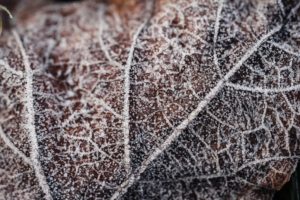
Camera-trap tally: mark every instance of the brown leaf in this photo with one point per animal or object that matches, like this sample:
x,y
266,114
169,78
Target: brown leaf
x,y
165,99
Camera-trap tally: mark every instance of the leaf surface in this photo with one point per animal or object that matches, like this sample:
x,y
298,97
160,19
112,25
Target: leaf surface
x,y
156,99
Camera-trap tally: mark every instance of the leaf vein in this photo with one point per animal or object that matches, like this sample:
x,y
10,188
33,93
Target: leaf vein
x,y
30,126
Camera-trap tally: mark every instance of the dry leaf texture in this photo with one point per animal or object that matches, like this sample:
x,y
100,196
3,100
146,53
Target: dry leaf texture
x,y
165,99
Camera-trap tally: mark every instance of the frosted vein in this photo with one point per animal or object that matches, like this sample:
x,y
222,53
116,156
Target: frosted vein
x,y
30,126
8,142
126,97
202,104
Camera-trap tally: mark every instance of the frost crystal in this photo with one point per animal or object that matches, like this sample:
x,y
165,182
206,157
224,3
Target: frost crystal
x,y
164,99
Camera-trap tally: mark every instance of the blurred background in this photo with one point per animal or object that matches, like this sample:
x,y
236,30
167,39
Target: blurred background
x,y
291,190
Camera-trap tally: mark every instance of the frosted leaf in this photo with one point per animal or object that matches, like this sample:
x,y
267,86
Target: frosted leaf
x,y
165,99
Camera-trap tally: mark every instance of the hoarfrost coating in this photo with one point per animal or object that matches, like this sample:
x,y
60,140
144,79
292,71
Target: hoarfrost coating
x,y
165,99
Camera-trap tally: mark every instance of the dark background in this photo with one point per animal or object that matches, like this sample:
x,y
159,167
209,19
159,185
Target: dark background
x,y
291,190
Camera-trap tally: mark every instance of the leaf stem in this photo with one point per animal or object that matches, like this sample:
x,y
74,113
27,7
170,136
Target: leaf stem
x,y
9,14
